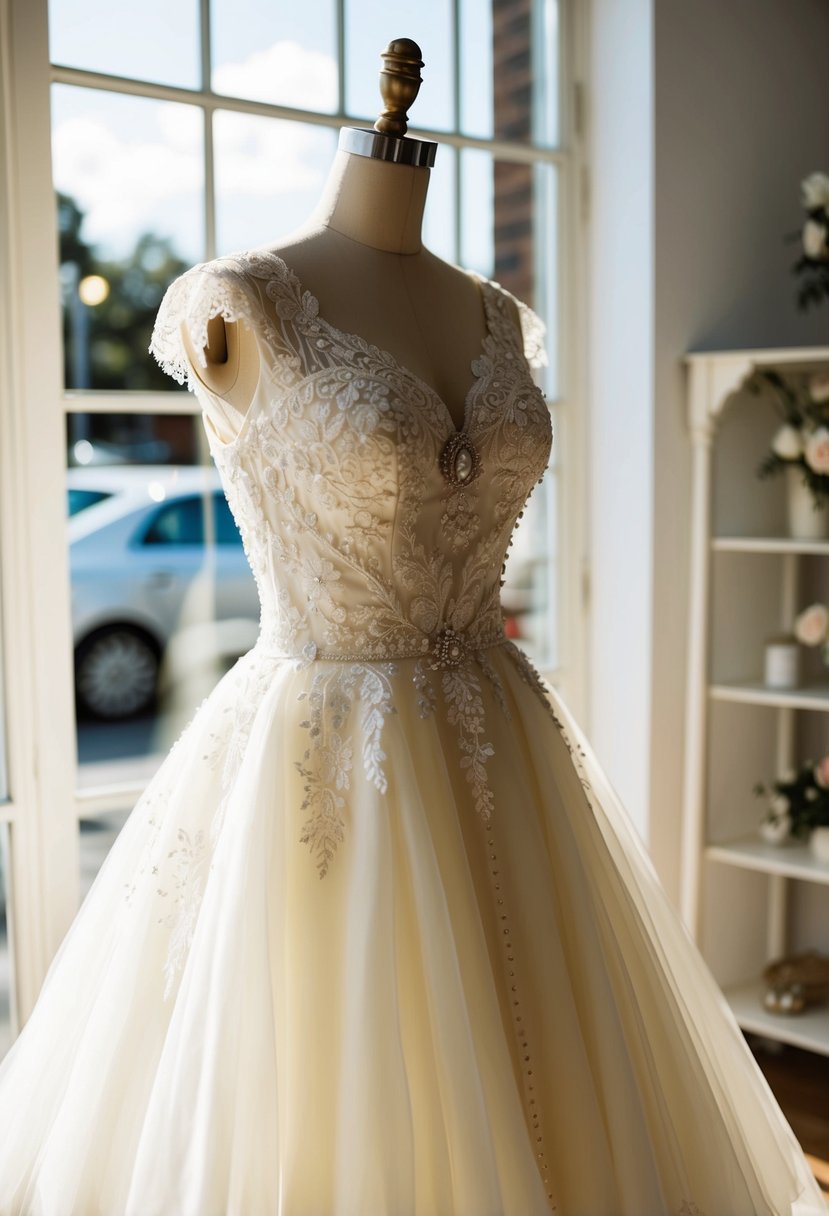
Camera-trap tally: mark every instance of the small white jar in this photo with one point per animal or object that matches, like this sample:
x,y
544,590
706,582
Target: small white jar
x,y
782,661
819,843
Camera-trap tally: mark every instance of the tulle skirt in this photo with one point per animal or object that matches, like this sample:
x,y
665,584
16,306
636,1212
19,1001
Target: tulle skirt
x,y
442,1001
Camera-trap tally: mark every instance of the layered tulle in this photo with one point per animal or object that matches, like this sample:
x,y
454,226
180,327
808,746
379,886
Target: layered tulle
x,y
460,1019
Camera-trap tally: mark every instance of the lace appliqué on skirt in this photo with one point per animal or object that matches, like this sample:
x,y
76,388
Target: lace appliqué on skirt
x,y
328,760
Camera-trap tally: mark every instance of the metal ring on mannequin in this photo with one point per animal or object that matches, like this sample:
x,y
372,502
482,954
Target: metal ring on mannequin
x,y
403,151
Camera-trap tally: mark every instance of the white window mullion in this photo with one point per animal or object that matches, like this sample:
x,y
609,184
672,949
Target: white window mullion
x,y
37,642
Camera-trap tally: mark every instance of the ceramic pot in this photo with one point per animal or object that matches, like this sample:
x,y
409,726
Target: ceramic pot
x,y
819,843
805,520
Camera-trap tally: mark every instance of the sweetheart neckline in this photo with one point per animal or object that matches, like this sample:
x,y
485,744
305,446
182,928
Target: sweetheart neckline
x,y
351,338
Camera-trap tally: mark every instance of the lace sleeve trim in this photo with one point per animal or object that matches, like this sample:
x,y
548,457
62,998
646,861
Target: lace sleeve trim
x,y
533,331
203,292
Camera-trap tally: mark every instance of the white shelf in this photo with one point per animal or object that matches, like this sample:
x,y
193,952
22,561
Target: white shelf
x,y
724,424
809,1029
768,544
793,858
755,692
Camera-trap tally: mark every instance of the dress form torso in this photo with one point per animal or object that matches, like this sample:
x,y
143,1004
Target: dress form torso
x,y
360,253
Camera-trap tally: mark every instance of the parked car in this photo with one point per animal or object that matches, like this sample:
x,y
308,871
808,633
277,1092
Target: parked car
x,y
157,569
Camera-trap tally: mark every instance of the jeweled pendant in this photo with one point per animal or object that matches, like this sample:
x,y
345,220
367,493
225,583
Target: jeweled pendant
x,y
459,460
449,648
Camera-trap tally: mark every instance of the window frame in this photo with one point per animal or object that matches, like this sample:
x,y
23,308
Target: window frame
x,y
44,807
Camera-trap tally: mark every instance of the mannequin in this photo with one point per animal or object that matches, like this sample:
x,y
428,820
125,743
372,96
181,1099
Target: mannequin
x,y
361,254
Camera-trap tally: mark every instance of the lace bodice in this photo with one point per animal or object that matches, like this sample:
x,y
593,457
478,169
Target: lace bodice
x,y
373,526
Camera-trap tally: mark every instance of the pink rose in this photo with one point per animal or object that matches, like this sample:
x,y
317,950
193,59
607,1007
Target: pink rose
x,y
817,450
811,624
821,773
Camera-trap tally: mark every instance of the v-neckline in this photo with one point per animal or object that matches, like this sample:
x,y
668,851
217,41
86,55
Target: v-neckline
x,y
387,356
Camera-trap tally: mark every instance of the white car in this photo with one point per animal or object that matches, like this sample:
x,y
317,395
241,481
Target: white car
x,y
158,572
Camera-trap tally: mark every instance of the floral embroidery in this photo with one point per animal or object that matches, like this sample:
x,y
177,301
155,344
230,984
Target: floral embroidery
x,y
689,1208
327,761
187,874
466,710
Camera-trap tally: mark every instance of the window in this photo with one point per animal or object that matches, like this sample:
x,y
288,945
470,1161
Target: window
x,y
175,134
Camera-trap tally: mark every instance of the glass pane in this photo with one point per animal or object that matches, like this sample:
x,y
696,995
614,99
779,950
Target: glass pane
x,y
7,993
129,174
269,175
163,598
475,18
546,48
509,70
279,52
370,27
156,40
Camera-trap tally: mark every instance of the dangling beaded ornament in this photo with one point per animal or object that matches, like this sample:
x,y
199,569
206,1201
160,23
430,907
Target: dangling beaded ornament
x,y
459,460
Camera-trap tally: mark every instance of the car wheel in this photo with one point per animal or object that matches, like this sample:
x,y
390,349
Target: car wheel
x,y
116,672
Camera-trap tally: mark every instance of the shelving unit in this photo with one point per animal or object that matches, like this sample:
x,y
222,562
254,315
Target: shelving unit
x,y
744,901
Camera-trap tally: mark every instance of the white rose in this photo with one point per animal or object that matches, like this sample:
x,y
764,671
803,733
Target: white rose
x,y
779,805
787,443
816,450
814,240
819,386
815,190
811,624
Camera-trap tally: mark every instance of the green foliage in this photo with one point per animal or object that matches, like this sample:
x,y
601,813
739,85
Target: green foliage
x,y
808,802
118,330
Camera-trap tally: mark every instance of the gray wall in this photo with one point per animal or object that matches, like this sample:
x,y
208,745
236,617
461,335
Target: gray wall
x,y
739,114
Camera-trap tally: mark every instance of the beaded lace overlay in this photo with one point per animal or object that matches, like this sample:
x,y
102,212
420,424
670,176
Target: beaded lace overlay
x,y
363,551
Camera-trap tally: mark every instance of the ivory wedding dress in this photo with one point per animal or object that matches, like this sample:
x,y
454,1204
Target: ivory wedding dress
x,y
379,938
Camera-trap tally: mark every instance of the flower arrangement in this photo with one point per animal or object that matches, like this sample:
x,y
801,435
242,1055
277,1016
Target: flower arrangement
x,y
802,439
798,802
813,264
811,627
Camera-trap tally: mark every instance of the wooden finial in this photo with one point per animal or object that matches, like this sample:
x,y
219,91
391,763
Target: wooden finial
x,y
399,85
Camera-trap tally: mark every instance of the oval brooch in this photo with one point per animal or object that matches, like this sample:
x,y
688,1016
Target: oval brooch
x,y
459,460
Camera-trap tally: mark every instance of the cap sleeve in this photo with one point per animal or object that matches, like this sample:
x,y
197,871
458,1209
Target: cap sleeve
x,y
533,331
205,291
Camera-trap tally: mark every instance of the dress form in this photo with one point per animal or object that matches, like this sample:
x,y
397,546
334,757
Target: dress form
x,y
361,254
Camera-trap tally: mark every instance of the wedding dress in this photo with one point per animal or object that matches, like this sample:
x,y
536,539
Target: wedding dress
x,y
379,939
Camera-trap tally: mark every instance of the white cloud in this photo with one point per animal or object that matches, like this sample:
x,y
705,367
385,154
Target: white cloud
x,y
126,186
285,73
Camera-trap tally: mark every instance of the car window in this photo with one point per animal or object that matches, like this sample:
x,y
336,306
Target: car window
x,y
226,531
77,500
182,523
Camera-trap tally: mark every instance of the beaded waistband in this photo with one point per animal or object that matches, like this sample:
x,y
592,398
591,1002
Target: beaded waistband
x,y
446,647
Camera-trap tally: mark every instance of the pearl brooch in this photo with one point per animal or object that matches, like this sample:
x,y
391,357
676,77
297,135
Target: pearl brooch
x,y
459,460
